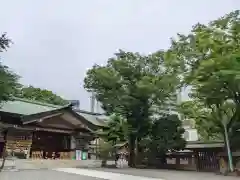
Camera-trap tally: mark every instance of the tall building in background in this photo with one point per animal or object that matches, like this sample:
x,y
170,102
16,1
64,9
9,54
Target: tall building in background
x,y
191,133
75,103
92,102
95,105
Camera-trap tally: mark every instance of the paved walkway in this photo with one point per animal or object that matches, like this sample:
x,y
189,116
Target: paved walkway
x,y
23,164
70,170
103,174
42,175
169,174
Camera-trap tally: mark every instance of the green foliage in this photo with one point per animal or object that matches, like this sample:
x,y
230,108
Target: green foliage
x,y
166,135
211,58
105,149
4,42
130,84
224,115
134,86
211,54
116,130
208,127
41,95
141,88
8,79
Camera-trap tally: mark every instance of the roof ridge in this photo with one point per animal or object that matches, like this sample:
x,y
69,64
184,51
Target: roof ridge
x,y
88,112
38,102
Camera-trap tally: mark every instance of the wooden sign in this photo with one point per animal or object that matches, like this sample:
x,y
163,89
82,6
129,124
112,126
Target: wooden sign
x,y
18,141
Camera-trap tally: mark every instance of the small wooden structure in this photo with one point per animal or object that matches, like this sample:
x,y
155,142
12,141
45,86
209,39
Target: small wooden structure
x,y
197,156
206,154
122,148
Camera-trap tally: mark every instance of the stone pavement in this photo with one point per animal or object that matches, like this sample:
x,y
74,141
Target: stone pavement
x,y
42,175
104,174
169,174
23,164
108,174
91,170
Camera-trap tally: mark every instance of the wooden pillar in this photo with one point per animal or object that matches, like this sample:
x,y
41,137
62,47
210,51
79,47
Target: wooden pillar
x,y
196,159
177,161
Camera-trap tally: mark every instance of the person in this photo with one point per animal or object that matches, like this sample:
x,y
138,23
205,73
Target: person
x,y
120,159
26,153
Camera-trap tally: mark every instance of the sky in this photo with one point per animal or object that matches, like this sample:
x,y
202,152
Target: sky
x,y
57,41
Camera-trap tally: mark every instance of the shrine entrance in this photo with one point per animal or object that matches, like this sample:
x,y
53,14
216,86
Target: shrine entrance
x,y
50,145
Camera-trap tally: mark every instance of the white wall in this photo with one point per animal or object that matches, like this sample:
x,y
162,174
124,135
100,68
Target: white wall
x,y
191,134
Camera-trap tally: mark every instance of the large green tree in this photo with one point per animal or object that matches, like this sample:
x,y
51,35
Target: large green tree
x,y
210,59
133,86
41,95
8,79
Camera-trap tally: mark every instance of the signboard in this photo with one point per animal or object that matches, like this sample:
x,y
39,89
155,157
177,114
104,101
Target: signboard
x,y
78,154
84,155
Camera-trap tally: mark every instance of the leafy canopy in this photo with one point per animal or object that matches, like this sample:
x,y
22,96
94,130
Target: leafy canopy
x,y
135,86
211,58
211,54
41,95
208,126
116,130
130,84
166,135
8,79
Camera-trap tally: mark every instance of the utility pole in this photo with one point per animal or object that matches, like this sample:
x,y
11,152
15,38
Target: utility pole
x,y
230,161
229,153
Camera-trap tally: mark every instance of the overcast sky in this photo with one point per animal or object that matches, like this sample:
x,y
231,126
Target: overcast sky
x,y
56,41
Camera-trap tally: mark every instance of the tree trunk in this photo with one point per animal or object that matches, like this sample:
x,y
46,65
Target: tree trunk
x,y
131,160
115,152
104,163
137,151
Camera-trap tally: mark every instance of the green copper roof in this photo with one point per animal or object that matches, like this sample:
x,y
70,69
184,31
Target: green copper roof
x,y
95,119
26,107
